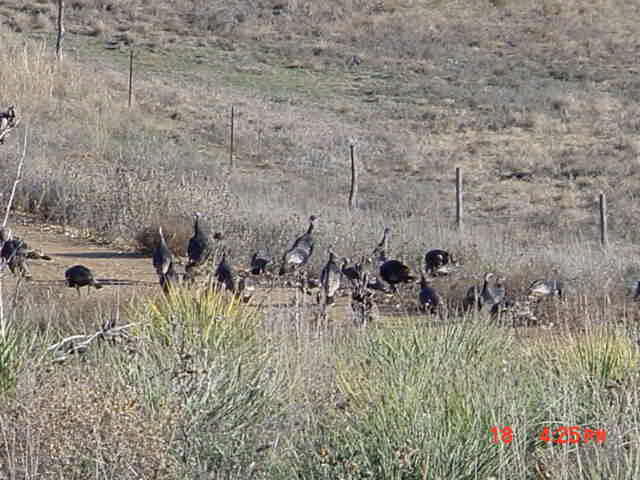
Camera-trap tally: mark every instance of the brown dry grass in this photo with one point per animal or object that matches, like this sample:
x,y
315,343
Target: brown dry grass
x,y
536,101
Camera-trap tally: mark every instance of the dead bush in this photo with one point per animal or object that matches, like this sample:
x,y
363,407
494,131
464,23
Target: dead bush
x,y
177,232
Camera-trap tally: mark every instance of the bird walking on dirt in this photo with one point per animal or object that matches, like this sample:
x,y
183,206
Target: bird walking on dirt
x,y
162,256
330,279
81,276
300,251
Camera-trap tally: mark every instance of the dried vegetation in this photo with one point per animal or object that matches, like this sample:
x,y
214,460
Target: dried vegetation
x,y
538,103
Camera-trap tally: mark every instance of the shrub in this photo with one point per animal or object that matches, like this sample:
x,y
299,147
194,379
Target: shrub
x,y
177,231
210,319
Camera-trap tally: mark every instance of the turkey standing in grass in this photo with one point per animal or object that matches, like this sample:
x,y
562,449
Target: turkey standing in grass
x,y
353,273
498,294
429,298
301,250
5,234
330,278
80,276
545,288
7,120
479,296
246,288
199,248
170,279
436,262
225,274
394,272
14,252
383,245
391,271
259,263
162,256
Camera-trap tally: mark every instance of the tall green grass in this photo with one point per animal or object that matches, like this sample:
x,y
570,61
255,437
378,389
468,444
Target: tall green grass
x,y
421,403
204,362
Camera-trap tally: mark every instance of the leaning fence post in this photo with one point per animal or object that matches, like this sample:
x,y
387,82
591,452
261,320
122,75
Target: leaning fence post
x,y
130,78
604,231
459,199
353,193
60,30
231,137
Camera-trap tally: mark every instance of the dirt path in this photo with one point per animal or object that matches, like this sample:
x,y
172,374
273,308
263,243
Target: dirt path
x,y
110,265
116,267
135,274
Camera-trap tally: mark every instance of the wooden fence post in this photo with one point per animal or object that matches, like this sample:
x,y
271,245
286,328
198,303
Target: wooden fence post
x,y
353,193
604,231
129,101
60,30
459,199
231,139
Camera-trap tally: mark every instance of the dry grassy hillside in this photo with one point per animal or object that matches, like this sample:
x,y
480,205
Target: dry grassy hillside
x,y
537,101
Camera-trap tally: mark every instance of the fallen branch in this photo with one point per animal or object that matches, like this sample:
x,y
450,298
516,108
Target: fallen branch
x,y
79,344
17,180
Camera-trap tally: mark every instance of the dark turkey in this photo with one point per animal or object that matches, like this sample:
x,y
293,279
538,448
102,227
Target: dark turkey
x,y
436,262
428,297
225,275
199,249
80,276
259,263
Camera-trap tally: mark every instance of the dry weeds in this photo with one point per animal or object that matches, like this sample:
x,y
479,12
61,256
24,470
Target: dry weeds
x,y
536,101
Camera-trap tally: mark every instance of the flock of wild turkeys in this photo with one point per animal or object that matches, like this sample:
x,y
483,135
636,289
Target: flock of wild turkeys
x,y
388,273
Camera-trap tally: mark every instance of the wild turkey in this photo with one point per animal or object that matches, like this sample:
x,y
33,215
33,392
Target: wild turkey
x,y
7,122
383,245
394,272
19,246
498,293
429,298
437,262
374,283
391,271
545,288
480,296
330,279
199,249
80,276
225,275
246,288
15,253
170,280
162,256
259,263
5,234
301,250
353,273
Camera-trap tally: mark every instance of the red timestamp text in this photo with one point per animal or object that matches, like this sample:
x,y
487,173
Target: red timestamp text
x,y
560,435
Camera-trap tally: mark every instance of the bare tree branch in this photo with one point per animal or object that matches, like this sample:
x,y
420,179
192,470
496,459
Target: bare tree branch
x,y
78,344
18,178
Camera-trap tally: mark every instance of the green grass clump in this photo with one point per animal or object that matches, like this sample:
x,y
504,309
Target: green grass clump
x,y
209,319
8,361
602,357
421,403
205,368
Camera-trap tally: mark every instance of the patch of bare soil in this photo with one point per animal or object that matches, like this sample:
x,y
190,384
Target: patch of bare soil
x,y
111,266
